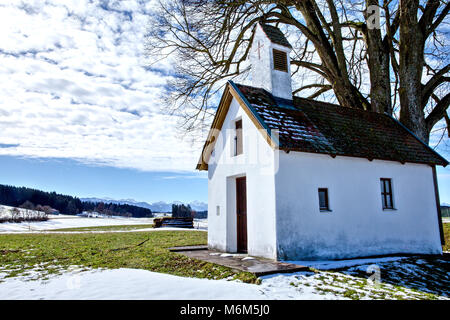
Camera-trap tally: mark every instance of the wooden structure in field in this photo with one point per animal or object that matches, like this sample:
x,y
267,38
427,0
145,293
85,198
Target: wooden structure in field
x,y
173,222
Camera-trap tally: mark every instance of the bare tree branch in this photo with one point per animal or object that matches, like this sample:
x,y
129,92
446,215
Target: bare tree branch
x,y
334,52
439,111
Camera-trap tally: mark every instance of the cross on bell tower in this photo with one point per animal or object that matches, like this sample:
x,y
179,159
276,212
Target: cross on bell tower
x,y
259,49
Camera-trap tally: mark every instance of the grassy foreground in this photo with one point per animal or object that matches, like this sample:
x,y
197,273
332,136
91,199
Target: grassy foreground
x,y
39,255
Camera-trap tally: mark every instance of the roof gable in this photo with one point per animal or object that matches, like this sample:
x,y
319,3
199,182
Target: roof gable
x,y
230,92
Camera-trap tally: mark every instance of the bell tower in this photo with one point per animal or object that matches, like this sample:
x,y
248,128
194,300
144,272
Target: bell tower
x,y
270,63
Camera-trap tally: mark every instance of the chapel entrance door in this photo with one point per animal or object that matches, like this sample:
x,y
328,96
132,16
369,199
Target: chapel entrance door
x,y
241,214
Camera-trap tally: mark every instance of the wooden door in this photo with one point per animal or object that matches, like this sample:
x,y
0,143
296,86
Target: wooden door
x,y
241,214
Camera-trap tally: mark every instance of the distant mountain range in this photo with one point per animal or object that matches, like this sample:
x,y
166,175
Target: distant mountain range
x,y
159,206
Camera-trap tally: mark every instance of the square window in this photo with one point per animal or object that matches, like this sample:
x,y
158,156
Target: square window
x,y
323,199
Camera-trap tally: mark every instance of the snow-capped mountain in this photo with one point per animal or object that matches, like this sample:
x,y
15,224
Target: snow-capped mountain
x,y
159,206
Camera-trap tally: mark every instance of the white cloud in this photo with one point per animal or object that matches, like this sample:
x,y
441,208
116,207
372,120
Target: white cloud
x,y
74,85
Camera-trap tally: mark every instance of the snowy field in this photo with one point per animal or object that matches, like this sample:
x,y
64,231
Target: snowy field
x,y
376,278
137,284
68,221
140,284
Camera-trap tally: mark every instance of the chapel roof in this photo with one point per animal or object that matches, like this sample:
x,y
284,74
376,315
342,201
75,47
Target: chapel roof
x,y
275,35
307,125
312,126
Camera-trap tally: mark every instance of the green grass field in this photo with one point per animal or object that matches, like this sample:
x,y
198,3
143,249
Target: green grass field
x,y
447,236
45,254
107,228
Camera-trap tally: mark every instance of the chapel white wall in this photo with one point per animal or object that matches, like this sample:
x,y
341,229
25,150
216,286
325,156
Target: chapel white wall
x,y
257,164
357,225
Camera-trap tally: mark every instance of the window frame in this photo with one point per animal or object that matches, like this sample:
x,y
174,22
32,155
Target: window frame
x,y
238,138
385,194
327,200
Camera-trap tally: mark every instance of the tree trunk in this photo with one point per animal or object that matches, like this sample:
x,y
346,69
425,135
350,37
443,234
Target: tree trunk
x,y
410,70
346,93
380,89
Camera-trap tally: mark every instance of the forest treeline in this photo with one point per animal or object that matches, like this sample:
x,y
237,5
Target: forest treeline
x,y
185,211
18,196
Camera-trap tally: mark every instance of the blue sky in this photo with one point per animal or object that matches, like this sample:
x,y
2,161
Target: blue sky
x,y
80,111
444,182
74,178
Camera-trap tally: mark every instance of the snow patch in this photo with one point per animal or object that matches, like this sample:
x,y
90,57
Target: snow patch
x,y
124,283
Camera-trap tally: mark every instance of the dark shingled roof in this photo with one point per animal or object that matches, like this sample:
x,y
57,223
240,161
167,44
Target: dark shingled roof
x,y
311,126
275,35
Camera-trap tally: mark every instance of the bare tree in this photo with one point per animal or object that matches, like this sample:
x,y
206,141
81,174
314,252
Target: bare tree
x,y
385,56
